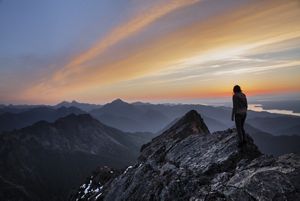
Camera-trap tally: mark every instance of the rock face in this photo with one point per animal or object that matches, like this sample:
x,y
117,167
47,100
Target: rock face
x,y
187,162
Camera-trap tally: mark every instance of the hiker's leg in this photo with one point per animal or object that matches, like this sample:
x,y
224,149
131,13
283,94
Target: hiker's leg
x,y
238,124
242,125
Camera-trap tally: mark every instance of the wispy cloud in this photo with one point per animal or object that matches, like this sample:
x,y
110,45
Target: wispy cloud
x,y
262,68
208,53
125,30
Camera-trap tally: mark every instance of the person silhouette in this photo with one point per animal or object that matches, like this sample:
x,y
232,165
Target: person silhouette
x,y
239,112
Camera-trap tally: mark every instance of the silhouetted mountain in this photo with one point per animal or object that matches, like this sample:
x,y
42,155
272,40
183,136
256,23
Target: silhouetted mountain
x,y
83,106
17,108
275,145
128,117
186,162
44,161
140,103
293,130
280,125
10,121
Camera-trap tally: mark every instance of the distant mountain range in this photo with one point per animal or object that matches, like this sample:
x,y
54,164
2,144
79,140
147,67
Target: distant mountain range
x,y
17,108
87,107
280,125
20,119
274,145
146,117
129,117
154,117
44,161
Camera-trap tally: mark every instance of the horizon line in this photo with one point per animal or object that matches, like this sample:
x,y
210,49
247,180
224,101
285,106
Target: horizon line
x,y
197,101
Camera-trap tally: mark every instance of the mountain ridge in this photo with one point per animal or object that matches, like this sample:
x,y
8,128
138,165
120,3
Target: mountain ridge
x,y
10,121
83,106
200,166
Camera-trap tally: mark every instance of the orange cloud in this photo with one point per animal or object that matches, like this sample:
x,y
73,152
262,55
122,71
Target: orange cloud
x,y
121,32
245,31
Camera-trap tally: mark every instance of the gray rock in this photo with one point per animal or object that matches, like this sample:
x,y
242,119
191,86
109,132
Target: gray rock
x,y
187,162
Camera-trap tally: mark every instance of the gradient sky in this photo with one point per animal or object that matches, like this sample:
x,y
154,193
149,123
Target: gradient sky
x,y
158,50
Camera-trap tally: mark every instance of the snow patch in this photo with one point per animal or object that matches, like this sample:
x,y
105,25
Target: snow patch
x,y
98,196
87,189
129,167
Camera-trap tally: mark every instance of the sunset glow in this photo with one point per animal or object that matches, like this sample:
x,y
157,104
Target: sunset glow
x,y
152,50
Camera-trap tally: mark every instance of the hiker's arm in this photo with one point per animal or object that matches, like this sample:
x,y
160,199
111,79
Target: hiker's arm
x,y
233,107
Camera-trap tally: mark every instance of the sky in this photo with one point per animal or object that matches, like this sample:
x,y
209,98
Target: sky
x,y
139,50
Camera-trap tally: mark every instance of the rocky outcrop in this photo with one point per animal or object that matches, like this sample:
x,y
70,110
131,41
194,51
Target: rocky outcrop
x,y
94,184
187,162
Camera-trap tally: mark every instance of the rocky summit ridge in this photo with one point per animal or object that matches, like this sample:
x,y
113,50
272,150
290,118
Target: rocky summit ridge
x,y
187,162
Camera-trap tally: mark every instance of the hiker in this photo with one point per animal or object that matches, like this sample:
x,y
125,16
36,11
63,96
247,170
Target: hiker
x,y
239,112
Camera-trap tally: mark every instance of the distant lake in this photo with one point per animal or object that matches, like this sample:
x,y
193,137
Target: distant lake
x,y
259,108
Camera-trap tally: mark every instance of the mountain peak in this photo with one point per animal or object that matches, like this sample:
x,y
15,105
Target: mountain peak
x,y
190,123
62,103
118,101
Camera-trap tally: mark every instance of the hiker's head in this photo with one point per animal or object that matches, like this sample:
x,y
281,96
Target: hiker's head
x,y
237,89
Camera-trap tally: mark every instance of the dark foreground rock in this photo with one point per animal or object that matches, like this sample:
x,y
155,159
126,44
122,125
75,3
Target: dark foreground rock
x,y
94,184
187,162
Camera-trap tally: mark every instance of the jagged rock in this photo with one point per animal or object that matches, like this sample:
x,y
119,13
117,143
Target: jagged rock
x,y
186,162
94,184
